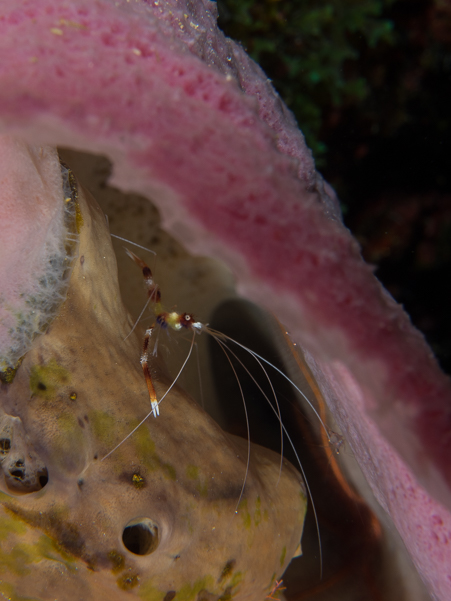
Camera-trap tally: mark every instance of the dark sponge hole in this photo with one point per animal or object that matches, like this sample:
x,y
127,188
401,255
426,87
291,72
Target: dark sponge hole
x,y
21,483
43,477
140,537
19,474
5,446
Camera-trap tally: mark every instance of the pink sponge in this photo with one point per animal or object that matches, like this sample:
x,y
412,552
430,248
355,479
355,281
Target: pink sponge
x,y
188,119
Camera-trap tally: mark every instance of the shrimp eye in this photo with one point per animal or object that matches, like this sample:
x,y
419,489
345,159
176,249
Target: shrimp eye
x,y
140,536
186,320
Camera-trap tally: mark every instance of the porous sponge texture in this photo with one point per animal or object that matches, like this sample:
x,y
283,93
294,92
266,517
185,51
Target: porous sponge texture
x,y
34,249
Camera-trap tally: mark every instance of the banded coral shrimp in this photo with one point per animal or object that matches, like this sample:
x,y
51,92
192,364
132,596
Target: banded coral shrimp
x,y
352,557
186,322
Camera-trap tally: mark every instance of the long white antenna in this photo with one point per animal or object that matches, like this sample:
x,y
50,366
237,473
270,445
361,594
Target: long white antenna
x,y
133,243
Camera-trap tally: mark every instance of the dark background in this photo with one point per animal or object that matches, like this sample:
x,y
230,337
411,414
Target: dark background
x,y
370,85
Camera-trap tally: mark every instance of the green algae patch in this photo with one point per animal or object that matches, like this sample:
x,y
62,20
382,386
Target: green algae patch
x,y
19,559
103,427
283,556
258,511
8,373
148,592
73,197
233,579
16,560
4,497
7,592
189,592
45,380
192,472
237,579
79,221
11,525
147,455
245,515
68,543
202,489
145,446
69,438
69,428
47,548
169,471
